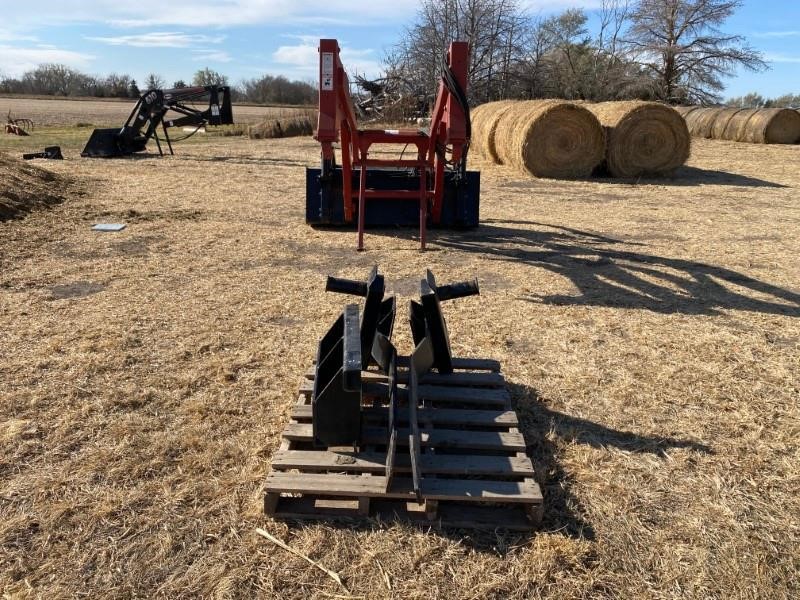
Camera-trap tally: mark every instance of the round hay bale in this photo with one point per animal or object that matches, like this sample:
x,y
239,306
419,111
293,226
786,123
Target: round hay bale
x,y
736,129
772,126
484,127
721,122
643,138
550,138
476,118
701,122
685,110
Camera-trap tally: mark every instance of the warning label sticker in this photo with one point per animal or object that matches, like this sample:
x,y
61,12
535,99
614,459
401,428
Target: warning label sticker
x,y
327,71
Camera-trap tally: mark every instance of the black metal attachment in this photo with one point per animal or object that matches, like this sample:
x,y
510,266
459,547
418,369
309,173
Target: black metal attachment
x,y
150,113
353,345
50,152
336,399
427,320
421,362
385,355
379,313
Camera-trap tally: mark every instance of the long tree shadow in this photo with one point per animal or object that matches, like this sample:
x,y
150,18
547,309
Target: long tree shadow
x,y
607,276
545,428
693,176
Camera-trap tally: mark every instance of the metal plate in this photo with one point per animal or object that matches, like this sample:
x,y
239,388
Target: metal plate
x,y
109,226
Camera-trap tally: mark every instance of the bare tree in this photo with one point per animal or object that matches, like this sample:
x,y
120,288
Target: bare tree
x,y
680,45
209,77
561,59
534,69
493,28
154,82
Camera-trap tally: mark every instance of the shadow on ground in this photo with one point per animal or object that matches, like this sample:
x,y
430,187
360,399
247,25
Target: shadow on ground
x,y
607,276
544,429
249,160
693,176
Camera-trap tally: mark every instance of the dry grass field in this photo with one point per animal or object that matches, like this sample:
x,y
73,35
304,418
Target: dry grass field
x,y
100,113
651,332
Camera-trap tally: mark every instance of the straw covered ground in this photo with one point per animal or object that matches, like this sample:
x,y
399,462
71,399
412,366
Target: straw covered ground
x,y
651,332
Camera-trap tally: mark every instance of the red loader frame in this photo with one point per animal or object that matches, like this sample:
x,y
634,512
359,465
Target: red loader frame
x,y
443,148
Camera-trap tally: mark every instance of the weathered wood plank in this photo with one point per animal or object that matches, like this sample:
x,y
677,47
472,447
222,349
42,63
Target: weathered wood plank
x,y
438,438
461,378
368,462
460,364
484,379
368,389
467,490
434,393
438,416
465,395
463,364
510,517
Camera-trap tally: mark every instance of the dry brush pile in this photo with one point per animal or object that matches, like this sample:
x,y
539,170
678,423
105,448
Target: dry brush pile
x,y
752,125
295,126
24,187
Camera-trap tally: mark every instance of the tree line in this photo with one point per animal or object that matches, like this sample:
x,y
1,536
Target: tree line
x,y
668,50
61,80
756,100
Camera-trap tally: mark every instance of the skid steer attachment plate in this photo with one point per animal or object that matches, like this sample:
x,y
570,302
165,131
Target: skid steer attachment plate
x,y
325,205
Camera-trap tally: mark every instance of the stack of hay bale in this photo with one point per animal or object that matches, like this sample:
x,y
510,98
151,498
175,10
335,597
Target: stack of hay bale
x,y
753,125
561,139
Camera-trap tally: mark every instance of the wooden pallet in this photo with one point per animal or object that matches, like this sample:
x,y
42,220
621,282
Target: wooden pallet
x,y
476,471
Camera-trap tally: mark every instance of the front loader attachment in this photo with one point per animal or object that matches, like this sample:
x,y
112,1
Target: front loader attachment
x,y
162,109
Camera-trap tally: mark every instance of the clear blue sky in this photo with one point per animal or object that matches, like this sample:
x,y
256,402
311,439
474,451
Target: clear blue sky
x,y
246,38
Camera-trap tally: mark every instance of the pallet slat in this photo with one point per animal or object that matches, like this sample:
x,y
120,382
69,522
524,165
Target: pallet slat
x,y
469,490
374,462
466,364
453,417
433,393
439,438
481,379
461,364
460,515
465,395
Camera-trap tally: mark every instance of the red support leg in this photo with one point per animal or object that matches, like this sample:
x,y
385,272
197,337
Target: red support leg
x,y
347,174
423,202
362,200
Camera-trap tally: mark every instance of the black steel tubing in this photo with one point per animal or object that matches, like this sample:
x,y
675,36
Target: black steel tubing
x,y
346,286
458,290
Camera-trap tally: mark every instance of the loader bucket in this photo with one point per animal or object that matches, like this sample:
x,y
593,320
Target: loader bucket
x,y
103,144
108,143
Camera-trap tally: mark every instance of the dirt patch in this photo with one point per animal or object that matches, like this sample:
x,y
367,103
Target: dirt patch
x,y
78,289
25,187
